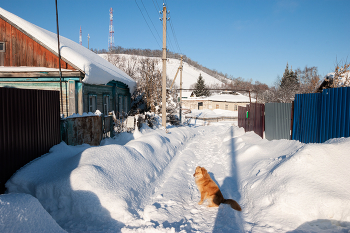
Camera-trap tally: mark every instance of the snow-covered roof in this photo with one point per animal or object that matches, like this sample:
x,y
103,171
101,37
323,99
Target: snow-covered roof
x,y
186,94
344,80
97,70
234,98
238,98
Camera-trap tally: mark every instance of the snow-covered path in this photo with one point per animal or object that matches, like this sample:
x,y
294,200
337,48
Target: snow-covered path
x,y
174,203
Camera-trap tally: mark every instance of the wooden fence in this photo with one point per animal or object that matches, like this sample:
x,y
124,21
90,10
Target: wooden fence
x,y
252,118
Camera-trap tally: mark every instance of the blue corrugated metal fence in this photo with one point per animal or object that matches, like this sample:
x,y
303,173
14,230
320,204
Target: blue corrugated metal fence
x,y
321,116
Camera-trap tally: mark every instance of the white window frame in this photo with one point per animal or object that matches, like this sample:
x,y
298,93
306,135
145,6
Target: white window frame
x,y
106,104
92,104
226,106
3,47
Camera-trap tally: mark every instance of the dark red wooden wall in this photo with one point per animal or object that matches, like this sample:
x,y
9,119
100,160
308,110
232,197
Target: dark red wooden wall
x,y
22,50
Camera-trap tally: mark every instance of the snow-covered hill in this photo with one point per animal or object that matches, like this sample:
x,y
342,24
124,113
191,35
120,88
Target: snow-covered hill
x,y
190,74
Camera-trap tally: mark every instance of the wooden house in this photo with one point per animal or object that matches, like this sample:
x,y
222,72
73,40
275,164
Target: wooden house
x,y
29,59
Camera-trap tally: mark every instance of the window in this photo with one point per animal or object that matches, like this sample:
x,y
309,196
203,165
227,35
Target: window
x,y
92,103
236,107
226,106
200,105
120,108
105,104
125,104
217,106
2,46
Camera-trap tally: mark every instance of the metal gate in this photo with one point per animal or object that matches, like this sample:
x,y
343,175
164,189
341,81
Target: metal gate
x,y
29,127
278,120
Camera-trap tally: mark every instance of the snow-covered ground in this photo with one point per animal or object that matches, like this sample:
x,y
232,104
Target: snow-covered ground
x,y
143,182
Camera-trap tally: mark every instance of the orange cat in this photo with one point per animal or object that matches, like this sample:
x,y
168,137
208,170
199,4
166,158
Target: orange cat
x,y
210,191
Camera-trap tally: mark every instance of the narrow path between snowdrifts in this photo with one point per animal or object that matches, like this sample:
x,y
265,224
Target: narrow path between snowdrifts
x,y
174,203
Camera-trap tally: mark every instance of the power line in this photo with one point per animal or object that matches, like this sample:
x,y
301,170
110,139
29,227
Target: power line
x,y
147,24
177,43
174,45
155,6
151,20
173,32
168,38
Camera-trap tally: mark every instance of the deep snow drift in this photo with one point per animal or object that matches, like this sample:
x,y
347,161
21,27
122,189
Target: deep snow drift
x,y
143,183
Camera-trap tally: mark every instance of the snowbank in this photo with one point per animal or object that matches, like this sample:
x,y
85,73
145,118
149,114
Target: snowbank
x,y
146,184
87,187
288,184
24,213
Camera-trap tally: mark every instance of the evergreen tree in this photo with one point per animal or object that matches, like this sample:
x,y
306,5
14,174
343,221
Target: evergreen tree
x,y
200,88
289,86
289,80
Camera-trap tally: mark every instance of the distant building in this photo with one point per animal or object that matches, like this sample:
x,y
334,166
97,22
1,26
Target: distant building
x,y
225,101
29,60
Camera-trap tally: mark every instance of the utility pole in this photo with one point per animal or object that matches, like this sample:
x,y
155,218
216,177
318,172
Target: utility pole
x,y
88,41
181,90
164,69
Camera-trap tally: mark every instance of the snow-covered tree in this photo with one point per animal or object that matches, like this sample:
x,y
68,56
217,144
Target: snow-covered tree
x,y
341,76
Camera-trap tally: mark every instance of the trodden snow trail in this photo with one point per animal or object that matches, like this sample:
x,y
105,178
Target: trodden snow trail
x,y
174,203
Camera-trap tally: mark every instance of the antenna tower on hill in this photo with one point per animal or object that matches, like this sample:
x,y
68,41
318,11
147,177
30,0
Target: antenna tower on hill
x,y
80,37
111,30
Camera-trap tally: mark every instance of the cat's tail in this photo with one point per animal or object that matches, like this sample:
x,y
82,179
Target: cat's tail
x,y
233,204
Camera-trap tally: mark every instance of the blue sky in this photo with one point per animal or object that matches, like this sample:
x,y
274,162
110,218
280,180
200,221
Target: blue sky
x,y
248,39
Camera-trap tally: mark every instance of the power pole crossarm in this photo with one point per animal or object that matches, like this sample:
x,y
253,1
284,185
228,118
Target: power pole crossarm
x,y
175,77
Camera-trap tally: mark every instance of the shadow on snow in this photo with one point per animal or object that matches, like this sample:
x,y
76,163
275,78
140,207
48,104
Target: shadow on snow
x,y
228,219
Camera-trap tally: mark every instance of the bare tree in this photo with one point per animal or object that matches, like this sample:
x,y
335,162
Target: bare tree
x,y
309,79
149,82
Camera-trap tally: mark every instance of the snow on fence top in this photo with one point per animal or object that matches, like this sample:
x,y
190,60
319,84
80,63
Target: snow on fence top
x,y
97,70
